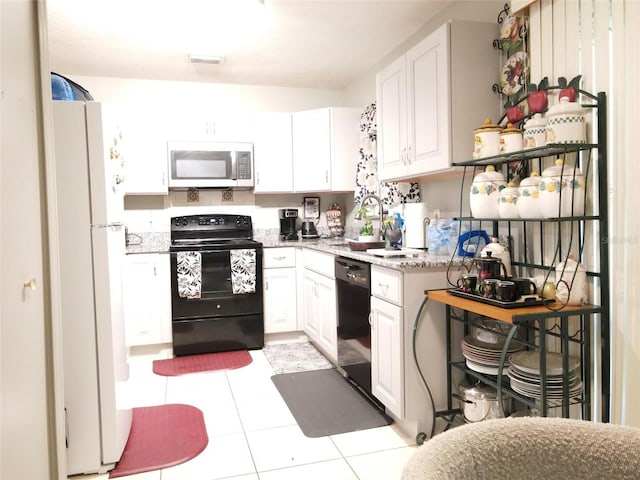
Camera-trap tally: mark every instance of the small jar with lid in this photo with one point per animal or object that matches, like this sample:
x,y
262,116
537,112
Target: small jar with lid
x,y
535,132
510,140
485,192
508,201
528,200
486,140
562,191
566,123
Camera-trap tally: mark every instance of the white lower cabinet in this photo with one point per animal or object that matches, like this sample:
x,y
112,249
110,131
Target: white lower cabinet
x,y
147,299
396,298
319,300
280,290
387,379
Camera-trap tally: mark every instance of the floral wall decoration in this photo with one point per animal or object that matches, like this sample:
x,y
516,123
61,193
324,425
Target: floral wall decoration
x,y
514,75
391,193
513,84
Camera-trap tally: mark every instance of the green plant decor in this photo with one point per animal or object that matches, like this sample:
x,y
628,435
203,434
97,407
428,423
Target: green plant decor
x,y
367,227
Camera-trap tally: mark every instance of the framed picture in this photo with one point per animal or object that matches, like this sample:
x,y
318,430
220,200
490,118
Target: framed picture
x,y
311,207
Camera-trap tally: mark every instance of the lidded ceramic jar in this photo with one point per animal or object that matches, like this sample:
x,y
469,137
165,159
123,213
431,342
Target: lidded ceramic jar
x,y
510,140
485,192
535,132
561,191
508,201
571,282
528,200
566,123
486,139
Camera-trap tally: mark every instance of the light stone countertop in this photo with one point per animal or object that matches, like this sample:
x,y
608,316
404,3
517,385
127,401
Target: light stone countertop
x,y
159,242
340,247
148,242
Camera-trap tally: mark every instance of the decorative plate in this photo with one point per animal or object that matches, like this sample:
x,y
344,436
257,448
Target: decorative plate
x,y
515,73
511,33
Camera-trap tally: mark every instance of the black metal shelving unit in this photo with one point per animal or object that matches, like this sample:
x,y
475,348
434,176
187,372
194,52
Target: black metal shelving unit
x,y
586,328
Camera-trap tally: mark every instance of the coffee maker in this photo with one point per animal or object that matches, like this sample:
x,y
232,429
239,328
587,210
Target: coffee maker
x,y
288,217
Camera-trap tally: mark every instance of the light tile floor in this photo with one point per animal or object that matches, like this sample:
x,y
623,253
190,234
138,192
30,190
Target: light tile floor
x,y
253,436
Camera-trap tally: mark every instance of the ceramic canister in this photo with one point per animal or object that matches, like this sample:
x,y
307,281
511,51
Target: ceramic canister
x,y
561,191
571,283
508,201
510,140
528,200
486,139
566,123
485,192
535,132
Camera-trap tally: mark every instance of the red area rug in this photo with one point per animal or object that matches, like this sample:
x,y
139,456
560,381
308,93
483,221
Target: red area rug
x,y
201,363
161,437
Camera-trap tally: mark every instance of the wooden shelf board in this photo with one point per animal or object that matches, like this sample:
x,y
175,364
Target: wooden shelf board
x,y
508,314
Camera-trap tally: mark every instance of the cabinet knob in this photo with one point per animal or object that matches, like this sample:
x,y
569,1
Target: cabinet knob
x,y
30,284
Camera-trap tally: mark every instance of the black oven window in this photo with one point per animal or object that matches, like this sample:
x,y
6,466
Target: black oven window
x,y
216,273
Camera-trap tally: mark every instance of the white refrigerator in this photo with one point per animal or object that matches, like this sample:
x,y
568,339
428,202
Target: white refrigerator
x,y
89,166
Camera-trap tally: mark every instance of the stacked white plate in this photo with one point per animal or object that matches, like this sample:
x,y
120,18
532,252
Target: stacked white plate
x,y
484,357
524,375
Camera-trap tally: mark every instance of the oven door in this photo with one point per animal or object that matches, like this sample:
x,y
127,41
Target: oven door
x,y
216,293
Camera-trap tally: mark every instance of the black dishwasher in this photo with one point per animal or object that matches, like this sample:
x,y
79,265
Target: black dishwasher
x,y
353,287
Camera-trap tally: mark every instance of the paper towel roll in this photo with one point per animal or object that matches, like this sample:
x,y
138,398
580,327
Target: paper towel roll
x,y
415,227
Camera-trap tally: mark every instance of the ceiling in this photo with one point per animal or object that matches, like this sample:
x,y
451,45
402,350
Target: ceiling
x,y
294,43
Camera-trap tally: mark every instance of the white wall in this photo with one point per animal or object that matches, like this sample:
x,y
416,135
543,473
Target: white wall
x,y
190,97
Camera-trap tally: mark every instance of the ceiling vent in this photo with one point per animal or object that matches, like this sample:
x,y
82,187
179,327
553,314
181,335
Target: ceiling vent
x,y
210,59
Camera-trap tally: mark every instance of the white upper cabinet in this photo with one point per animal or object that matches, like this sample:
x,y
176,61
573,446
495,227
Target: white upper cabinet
x,y
145,154
430,100
272,150
325,149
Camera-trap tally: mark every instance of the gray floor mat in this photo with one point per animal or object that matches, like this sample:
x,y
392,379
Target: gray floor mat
x,y
324,403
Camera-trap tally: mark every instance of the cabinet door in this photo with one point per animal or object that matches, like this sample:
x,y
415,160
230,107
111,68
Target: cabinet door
x,y
326,309
391,118
387,374
280,300
273,156
147,299
310,303
428,104
312,150
145,154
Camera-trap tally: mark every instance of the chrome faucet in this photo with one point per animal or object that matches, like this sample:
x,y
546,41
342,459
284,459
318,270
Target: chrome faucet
x,y
358,216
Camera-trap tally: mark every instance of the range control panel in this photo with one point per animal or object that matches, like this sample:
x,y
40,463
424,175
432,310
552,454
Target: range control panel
x,y
211,223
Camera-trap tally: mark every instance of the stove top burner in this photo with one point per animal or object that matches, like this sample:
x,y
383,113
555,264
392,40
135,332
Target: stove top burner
x,y
217,230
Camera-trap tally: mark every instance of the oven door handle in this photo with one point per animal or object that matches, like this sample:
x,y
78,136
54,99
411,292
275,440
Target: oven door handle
x,y
195,249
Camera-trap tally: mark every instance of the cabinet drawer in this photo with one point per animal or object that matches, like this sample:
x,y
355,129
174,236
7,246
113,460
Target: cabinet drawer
x,y
386,284
319,262
279,257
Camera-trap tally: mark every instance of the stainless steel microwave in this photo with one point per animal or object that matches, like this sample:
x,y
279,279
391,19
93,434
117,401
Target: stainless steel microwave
x,y
210,165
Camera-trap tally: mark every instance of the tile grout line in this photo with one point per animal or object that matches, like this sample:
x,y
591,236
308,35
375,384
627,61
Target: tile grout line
x,y
244,432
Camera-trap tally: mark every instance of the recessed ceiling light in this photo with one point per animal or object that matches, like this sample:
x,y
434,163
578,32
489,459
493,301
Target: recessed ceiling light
x,y
211,59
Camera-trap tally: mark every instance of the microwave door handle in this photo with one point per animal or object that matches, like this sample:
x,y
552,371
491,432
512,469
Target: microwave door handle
x,y
234,165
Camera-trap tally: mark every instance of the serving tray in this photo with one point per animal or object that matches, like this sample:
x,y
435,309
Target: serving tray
x,y
526,301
